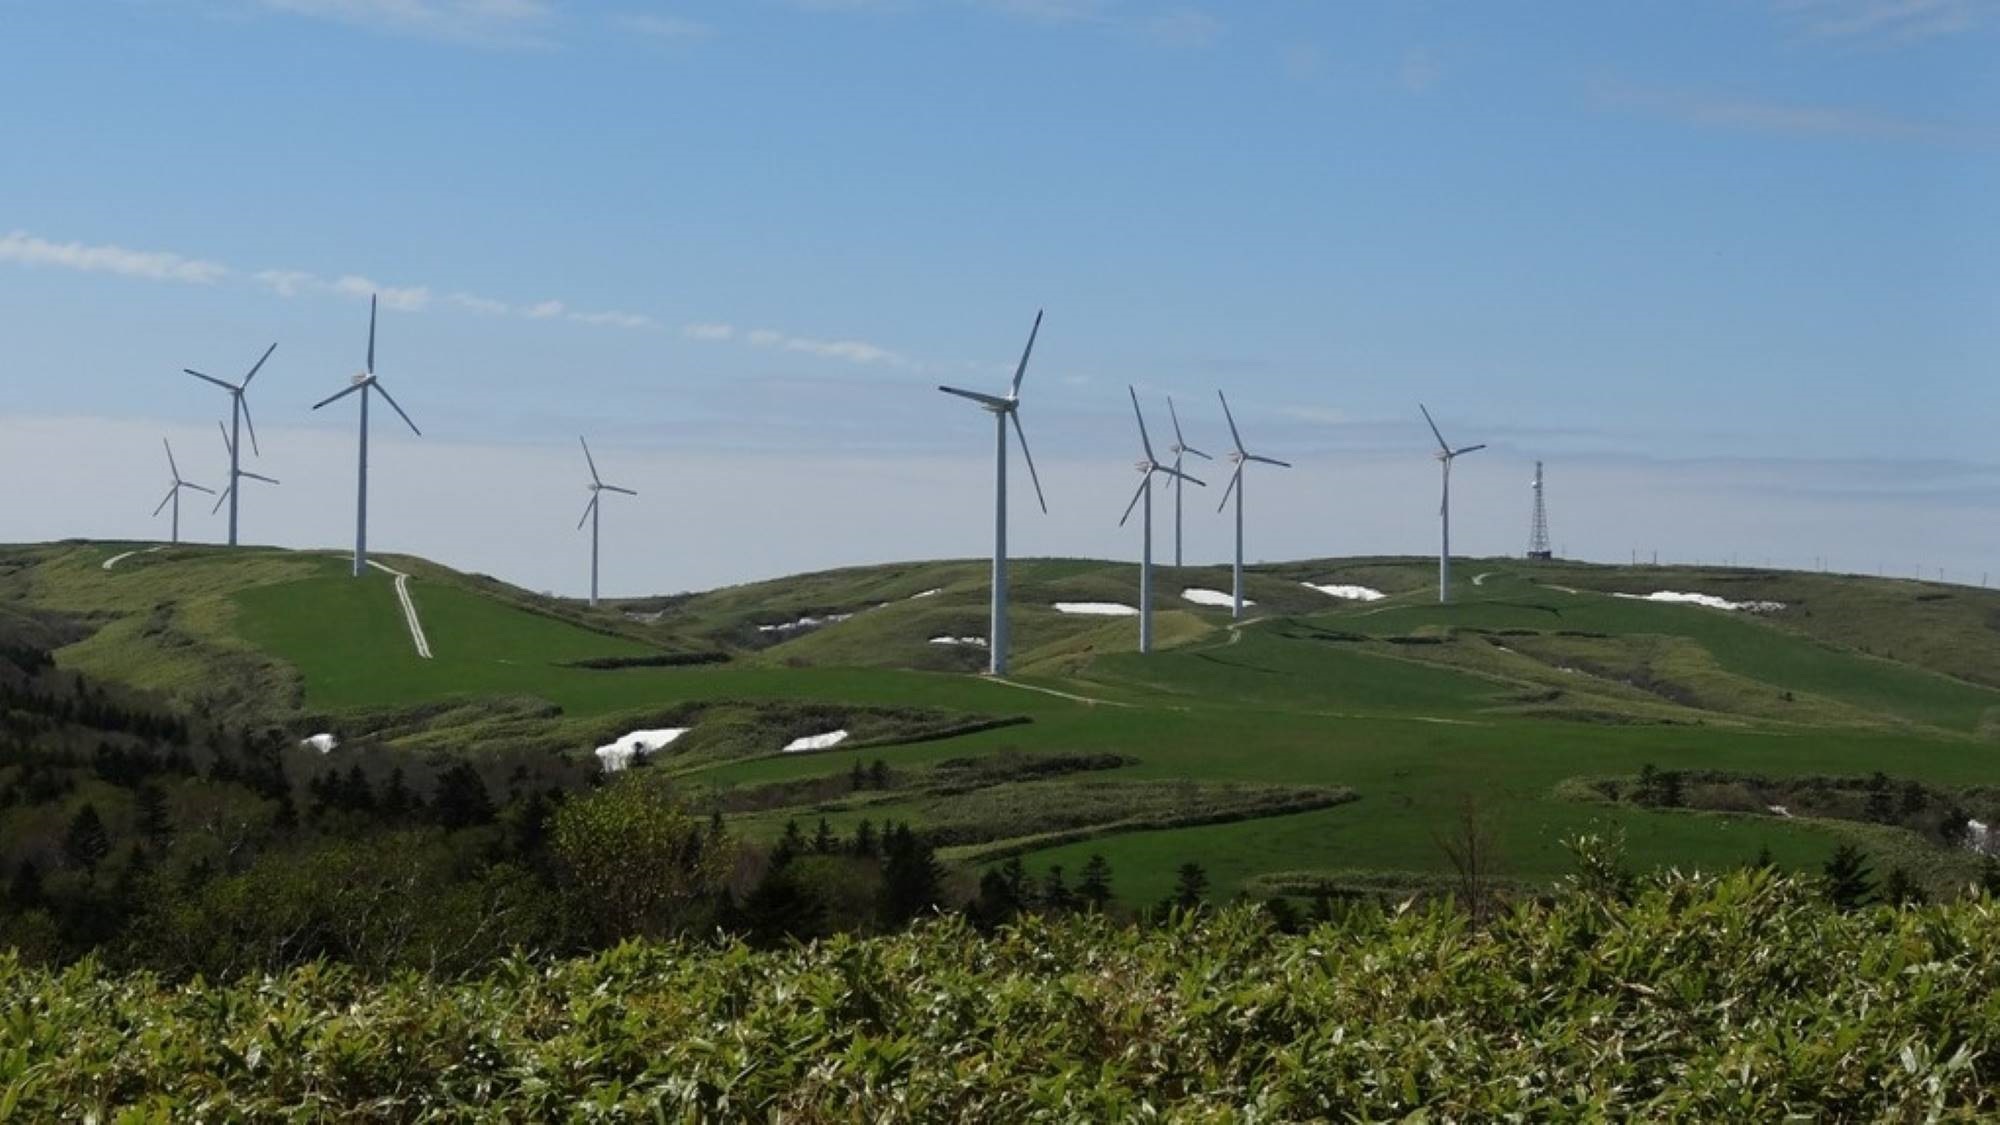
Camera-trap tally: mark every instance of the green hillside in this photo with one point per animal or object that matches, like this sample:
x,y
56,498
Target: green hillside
x,y
1536,676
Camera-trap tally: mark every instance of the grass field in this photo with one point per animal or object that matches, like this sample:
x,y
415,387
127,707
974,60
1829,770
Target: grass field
x,y
1535,676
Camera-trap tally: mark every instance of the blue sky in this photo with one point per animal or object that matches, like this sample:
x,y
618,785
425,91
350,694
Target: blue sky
x,y
1741,258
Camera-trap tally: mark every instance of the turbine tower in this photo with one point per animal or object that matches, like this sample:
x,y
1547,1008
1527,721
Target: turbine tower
x,y
1241,458
1180,447
1004,409
1445,455
236,476
239,416
591,512
364,383
1538,531
1147,468
174,491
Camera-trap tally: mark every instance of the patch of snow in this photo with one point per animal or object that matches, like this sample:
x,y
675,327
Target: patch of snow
x,y
1979,837
618,755
975,642
324,743
927,594
1709,600
1780,810
1351,593
1213,597
1097,609
116,559
825,741
804,623
649,618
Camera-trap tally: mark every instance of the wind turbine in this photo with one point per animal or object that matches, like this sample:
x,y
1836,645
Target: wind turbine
x,y
1240,458
174,491
590,512
1445,455
1180,447
239,416
1002,410
1147,467
365,382
236,475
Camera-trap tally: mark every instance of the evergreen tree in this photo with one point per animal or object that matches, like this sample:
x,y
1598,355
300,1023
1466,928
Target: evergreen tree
x,y
462,801
1913,798
1900,889
1057,898
1190,886
790,845
779,907
1764,862
1670,789
1880,808
824,841
1648,791
1848,881
996,904
912,880
87,842
716,828
151,811
1095,889
1015,875
857,778
25,892
864,839
1285,917
396,795
878,774
1952,827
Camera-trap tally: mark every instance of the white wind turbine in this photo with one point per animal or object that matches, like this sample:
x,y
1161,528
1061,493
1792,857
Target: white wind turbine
x,y
239,417
1445,455
1240,458
364,383
174,491
1004,409
592,512
1179,447
1147,468
236,476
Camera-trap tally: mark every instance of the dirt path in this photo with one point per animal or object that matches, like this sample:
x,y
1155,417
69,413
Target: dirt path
x,y
1072,697
116,559
409,608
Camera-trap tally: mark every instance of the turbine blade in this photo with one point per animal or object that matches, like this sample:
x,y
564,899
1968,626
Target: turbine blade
x,y
399,410
1196,452
1180,443
1434,428
1267,460
1226,493
170,460
1143,482
588,459
196,487
258,476
209,379
1173,472
1143,439
251,425
615,488
587,509
993,401
169,499
371,333
340,395
1033,476
1469,449
1233,435
260,364
1025,353
224,430
220,500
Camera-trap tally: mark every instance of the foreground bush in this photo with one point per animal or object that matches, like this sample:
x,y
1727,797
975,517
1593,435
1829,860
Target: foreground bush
x,y
1740,998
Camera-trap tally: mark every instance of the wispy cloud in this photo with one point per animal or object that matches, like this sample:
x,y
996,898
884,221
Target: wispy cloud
x,y
853,351
664,29
1887,21
709,331
1183,28
1750,115
490,23
154,265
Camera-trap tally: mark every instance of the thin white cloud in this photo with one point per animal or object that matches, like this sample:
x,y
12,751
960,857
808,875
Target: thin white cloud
x,y
709,331
154,265
615,319
407,298
665,29
1887,21
1183,28
544,310
1750,115
853,351
480,22
486,306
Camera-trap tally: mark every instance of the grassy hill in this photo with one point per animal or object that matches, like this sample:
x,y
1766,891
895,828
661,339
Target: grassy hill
x,y
1538,675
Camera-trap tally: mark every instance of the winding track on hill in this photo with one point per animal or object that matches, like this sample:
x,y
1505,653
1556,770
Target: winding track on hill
x,y
409,608
116,559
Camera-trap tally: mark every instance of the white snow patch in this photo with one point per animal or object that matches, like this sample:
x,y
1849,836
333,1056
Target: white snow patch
x,y
1979,837
1780,810
927,594
825,741
116,559
804,623
1213,597
975,642
1097,609
324,743
1709,600
617,755
1351,593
